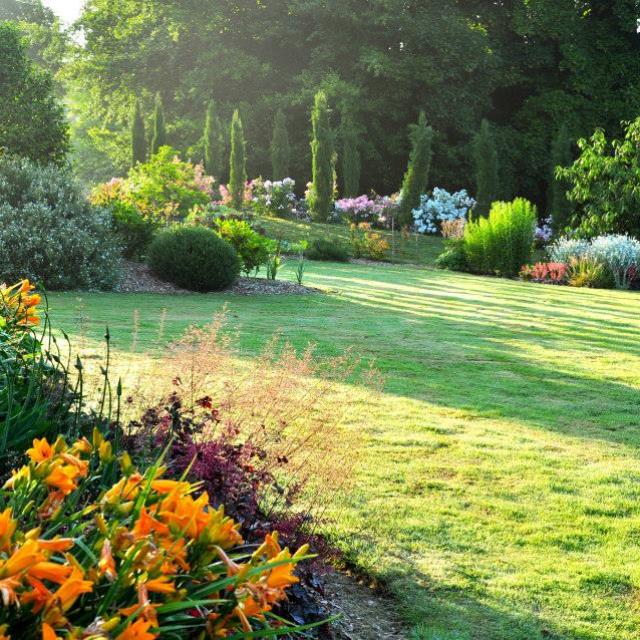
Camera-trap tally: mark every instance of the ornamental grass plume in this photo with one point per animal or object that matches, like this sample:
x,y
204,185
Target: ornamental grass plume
x,y
265,435
92,548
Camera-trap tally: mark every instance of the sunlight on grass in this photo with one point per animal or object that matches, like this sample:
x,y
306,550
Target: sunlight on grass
x,y
498,495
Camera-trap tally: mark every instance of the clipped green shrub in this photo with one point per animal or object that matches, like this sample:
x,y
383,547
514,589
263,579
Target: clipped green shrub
x,y
194,258
253,248
503,242
453,257
328,251
134,232
49,233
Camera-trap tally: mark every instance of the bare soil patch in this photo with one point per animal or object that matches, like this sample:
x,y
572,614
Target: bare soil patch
x,y
138,278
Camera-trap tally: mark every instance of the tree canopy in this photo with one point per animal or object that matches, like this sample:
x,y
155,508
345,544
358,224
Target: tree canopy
x,y
527,66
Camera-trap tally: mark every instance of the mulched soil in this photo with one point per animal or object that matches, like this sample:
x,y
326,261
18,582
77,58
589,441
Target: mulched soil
x,y
138,278
364,613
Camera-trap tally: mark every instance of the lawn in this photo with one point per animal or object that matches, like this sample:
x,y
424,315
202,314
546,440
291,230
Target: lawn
x,y
499,494
413,248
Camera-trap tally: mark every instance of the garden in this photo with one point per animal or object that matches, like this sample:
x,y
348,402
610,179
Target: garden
x,y
335,345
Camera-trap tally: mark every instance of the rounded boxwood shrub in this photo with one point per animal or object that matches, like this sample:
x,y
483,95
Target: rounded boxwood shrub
x,y
194,258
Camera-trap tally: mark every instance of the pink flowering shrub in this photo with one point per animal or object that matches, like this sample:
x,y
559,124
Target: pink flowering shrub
x,y
547,272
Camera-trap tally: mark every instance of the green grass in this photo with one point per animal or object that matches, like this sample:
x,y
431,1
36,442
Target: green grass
x,y
415,249
499,494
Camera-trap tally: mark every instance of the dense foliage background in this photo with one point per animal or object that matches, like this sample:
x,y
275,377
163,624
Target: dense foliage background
x,y
528,66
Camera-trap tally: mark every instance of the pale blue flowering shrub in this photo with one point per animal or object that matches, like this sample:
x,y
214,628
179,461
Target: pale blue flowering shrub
x,y
439,207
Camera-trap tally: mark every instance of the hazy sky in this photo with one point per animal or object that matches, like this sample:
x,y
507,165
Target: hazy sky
x,y
68,10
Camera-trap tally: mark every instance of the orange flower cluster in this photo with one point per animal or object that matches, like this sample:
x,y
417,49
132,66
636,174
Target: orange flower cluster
x,y
18,305
146,553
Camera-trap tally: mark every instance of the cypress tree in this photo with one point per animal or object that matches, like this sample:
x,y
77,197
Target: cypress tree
x,y
485,155
323,160
159,137
417,176
237,163
559,207
351,165
138,136
214,145
280,148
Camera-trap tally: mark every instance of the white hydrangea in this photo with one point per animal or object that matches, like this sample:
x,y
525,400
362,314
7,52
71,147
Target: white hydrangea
x,y
439,207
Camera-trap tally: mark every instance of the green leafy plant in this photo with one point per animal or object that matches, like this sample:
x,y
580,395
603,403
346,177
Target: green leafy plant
x,y
589,272
194,258
165,188
32,121
502,243
328,251
366,243
603,184
453,257
274,261
253,249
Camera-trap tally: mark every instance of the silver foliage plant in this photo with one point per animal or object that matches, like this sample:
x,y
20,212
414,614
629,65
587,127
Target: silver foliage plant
x,y
49,233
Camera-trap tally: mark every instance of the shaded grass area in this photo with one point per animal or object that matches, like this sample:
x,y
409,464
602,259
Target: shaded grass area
x,y
499,494
414,248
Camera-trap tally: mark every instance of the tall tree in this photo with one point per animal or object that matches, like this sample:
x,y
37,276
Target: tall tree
x,y
485,156
322,182
214,146
350,158
238,162
559,207
416,178
32,122
159,135
280,148
138,136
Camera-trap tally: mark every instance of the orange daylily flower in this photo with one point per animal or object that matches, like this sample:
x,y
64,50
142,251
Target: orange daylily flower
x,y
146,524
138,630
63,478
56,545
8,588
160,585
51,571
39,597
7,528
40,451
72,589
125,489
106,564
48,632
170,486
22,559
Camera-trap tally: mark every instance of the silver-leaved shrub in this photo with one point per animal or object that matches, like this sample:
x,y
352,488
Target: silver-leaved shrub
x,y
49,233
